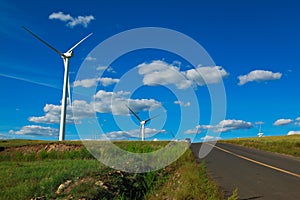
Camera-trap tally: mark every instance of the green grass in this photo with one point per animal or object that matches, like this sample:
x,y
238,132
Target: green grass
x,y
289,145
24,180
20,143
28,171
187,180
141,147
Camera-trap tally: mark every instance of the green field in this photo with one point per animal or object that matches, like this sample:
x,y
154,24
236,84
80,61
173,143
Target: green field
x,y
289,145
66,170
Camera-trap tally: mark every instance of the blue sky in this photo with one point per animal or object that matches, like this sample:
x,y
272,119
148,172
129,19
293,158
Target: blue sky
x,y
254,45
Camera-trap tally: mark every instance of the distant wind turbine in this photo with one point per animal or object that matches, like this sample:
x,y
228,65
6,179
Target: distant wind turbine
x,y
260,133
142,122
66,85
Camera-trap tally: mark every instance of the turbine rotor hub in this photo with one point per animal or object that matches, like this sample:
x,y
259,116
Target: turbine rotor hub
x,y
68,54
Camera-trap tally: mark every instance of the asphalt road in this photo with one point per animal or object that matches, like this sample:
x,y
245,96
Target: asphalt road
x,y
257,174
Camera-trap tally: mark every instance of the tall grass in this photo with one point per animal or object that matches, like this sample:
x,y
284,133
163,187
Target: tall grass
x,y
25,180
289,145
187,180
82,153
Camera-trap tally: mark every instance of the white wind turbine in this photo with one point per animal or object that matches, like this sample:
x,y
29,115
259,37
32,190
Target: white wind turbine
x,y
66,85
260,133
142,123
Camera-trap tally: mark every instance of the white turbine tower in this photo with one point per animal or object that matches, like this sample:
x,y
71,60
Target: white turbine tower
x,y
260,133
66,84
142,123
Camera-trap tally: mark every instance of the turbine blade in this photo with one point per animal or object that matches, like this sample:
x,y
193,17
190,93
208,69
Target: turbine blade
x,y
138,118
69,91
172,134
147,120
40,39
80,42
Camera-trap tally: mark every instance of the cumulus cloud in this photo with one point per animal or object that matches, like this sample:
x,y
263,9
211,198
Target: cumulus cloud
x,y
81,109
132,134
101,68
282,122
116,135
182,104
223,126
36,131
161,73
195,130
72,21
206,75
210,138
108,69
232,124
115,103
105,102
293,133
87,83
259,76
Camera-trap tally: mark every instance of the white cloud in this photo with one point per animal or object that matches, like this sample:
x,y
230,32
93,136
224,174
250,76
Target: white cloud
x,y
182,104
81,109
258,76
115,102
293,133
125,135
282,122
61,16
94,81
210,138
206,75
36,130
105,102
228,125
116,135
101,68
108,69
232,124
195,130
161,73
72,21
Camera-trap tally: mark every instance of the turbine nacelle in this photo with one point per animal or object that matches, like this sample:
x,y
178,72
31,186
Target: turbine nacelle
x,y
142,122
68,54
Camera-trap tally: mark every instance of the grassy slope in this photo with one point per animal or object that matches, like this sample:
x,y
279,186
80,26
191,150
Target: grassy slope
x,y
25,175
187,180
289,145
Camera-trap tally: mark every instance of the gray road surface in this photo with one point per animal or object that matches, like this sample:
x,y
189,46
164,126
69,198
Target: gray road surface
x,y
257,174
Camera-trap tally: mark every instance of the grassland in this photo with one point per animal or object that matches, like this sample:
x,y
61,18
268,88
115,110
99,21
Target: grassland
x,y
66,170
289,145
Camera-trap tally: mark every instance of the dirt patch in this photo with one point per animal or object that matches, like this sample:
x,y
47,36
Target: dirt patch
x,y
60,147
